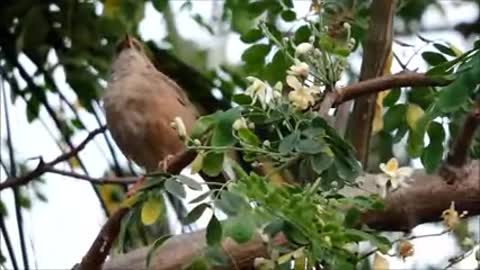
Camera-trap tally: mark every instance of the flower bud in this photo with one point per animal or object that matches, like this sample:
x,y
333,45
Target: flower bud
x,y
303,48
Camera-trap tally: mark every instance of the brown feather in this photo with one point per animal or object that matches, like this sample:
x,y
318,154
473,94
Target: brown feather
x,y
140,103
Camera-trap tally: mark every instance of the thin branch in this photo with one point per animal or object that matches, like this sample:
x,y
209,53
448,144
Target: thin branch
x,y
97,181
8,243
42,167
459,153
375,85
13,173
96,255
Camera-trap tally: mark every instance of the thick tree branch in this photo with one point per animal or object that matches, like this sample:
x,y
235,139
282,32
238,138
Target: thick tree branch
x,y
96,255
43,167
377,49
406,208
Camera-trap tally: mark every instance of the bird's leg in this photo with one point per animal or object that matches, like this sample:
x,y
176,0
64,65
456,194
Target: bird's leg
x,y
134,188
165,162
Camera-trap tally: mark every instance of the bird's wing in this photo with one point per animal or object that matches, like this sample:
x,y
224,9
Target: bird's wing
x,y
168,84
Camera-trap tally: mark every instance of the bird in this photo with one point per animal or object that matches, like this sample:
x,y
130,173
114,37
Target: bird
x,y
140,103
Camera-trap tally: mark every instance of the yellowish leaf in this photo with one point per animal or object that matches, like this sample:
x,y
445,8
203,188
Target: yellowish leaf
x,y
73,162
111,197
151,210
414,112
197,163
379,262
377,123
110,6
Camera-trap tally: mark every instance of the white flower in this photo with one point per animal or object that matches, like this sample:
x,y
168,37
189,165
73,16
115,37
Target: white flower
x,y
299,69
301,97
303,48
393,177
179,126
258,90
240,123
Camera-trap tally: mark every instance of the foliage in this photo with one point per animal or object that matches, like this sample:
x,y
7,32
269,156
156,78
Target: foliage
x,y
291,63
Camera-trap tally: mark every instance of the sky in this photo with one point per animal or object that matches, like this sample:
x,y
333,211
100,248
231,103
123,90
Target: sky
x,y
61,231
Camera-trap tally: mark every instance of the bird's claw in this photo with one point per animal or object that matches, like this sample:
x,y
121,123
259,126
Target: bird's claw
x,y
136,186
165,163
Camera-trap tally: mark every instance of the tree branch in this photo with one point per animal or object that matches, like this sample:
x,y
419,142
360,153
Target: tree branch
x,y
100,180
96,255
43,167
377,49
459,153
375,85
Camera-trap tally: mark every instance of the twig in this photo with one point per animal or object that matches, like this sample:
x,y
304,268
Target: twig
x,y
459,258
13,173
459,152
43,167
8,243
368,254
96,255
98,181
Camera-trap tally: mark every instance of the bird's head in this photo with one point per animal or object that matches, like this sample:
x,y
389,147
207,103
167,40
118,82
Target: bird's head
x,y
129,53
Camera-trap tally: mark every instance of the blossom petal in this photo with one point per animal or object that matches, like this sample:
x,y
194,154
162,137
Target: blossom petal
x,y
293,82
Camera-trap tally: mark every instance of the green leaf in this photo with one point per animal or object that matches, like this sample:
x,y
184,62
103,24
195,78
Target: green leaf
x,y
195,214
33,108
231,203
189,182
256,54
288,143
433,58
223,130
392,97
240,228
456,94
321,162
201,197
379,241
160,5
247,136
289,15
444,49
214,231
252,36
432,156
154,247
288,3
213,163
436,133
202,125
394,117
302,34
175,188
310,146
199,263
352,216
242,99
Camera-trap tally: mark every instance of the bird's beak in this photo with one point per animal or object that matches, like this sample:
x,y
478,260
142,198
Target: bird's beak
x,y
128,41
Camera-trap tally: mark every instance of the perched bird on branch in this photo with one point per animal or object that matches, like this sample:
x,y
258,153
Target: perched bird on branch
x,y
140,104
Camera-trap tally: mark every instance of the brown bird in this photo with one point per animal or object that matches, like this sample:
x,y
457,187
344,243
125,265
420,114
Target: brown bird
x,y
140,104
